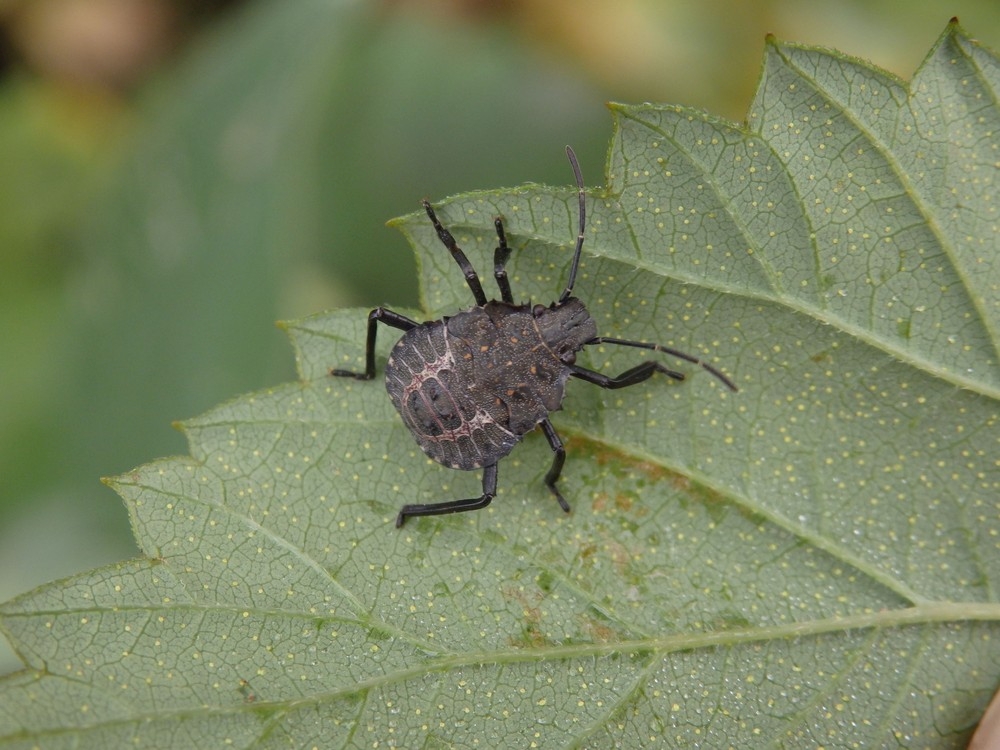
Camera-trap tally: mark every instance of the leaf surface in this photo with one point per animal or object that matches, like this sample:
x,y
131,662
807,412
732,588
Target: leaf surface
x,y
811,561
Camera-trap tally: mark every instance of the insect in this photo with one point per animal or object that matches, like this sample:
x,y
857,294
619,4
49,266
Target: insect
x,y
470,386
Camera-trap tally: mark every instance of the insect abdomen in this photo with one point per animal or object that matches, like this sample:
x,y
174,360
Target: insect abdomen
x,y
432,386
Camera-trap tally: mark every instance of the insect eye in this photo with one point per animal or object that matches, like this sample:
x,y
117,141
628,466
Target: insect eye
x,y
537,310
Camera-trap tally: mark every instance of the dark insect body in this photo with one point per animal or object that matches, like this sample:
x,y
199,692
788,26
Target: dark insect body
x,y
470,386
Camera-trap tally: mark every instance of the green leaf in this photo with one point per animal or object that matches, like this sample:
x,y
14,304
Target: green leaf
x,y
810,562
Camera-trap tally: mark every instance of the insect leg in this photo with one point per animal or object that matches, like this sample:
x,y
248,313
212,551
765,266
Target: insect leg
x,y
557,462
454,506
667,350
500,257
388,317
630,377
471,277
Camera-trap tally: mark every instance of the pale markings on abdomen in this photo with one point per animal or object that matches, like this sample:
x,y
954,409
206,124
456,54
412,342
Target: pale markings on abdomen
x,y
414,385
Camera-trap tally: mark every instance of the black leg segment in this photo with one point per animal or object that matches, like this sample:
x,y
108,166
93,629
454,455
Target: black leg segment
x,y
557,462
471,277
454,506
630,377
500,257
379,314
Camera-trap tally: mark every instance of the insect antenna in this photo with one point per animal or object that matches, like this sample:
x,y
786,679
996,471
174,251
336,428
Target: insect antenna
x,y
568,291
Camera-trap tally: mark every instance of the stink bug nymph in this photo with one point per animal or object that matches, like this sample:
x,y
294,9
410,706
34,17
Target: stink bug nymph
x,y
471,385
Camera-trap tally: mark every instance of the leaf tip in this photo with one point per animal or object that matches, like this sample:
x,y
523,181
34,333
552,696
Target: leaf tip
x,y
400,222
119,481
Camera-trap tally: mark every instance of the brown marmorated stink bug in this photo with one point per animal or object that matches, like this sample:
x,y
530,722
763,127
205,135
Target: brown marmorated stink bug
x,y
471,385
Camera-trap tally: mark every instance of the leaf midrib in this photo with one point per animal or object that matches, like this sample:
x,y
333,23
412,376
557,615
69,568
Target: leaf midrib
x,y
930,613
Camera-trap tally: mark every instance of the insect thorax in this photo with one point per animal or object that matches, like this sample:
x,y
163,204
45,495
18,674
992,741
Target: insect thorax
x,y
469,386
565,328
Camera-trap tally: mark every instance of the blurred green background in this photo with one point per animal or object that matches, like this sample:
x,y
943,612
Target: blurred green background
x,y
176,176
